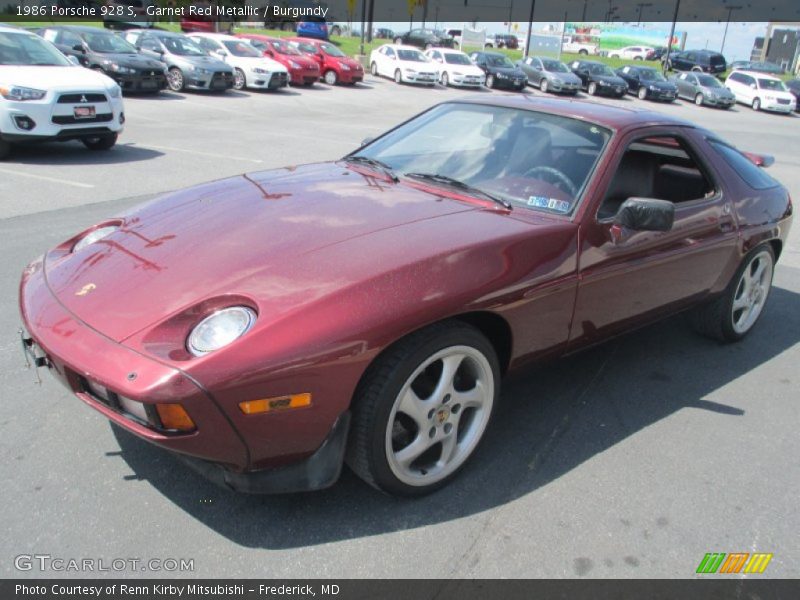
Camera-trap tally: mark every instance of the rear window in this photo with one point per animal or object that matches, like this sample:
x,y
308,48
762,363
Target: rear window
x,y
754,176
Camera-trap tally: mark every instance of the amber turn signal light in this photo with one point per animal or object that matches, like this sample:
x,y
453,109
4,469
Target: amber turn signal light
x,y
174,416
253,407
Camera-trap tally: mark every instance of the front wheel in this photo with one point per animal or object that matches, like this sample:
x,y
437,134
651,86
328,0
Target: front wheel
x,y
100,142
642,94
445,79
756,104
592,89
422,408
330,77
175,79
398,76
490,81
732,316
543,85
699,99
239,80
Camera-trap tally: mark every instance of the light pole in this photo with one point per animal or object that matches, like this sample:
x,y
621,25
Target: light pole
x,y
671,33
727,22
530,29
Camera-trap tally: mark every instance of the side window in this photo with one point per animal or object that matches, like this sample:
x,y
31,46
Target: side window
x,y
660,167
691,56
390,52
50,35
150,44
752,175
691,78
67,38
735,77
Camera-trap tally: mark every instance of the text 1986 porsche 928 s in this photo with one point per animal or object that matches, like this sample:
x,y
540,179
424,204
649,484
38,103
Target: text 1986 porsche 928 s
x,y
271,327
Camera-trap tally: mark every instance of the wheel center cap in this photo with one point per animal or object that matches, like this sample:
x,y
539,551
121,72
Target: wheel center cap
x,y
442,415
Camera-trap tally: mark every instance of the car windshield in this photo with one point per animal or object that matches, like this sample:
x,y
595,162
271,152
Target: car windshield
x,y
601,70
651,75
108,43
456,59
30,50
242,49
411,55
182,46
522,157
282,47
554,66
498,61
331,50
709,81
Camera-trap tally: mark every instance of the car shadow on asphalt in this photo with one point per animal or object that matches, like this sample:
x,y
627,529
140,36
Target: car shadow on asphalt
x,y
550,420
73,153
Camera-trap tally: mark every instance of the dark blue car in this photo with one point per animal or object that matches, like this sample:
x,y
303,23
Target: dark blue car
x,y
313,29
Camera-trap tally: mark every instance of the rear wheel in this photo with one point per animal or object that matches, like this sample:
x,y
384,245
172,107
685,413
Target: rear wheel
x,y
175,79
100,142
699,99
330,77
592,89
239,80
373,68
422,408
756,104
732,316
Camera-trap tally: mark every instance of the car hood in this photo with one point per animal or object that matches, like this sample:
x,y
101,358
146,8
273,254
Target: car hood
x,y
238,236
510,71
565,77
135,61
64,79
261,62
350,62
661,85
718,92
206,62
427,67
609,79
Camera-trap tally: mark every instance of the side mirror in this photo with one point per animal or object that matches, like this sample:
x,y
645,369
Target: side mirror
x,y
366,141
646,214
753,85
221,53
74,60
79,48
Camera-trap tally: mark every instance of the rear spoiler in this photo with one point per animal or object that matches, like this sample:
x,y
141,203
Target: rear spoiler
x,y
760,160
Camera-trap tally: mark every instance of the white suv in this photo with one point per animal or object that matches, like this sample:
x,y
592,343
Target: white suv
x,y
45,97
761,91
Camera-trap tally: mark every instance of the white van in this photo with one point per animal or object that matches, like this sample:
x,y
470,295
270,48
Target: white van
x,y
760,91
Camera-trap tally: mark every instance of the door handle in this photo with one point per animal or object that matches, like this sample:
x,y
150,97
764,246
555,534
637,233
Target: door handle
x,y
726,225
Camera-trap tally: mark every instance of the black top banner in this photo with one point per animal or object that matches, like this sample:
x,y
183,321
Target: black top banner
x,y
404,11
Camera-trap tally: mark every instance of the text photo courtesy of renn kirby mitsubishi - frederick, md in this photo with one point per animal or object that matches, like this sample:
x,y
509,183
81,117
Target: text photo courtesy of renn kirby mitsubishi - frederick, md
x,y
399,298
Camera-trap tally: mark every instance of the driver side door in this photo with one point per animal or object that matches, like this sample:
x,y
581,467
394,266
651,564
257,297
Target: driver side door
x,y
628,278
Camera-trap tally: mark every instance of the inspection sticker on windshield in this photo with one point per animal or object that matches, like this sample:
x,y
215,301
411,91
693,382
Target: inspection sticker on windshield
x,y
555,204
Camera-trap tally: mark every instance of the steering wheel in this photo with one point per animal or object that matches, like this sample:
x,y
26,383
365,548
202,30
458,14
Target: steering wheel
x,y
559,177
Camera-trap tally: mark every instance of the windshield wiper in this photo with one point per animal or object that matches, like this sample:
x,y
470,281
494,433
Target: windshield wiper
x,y
460,185
373,162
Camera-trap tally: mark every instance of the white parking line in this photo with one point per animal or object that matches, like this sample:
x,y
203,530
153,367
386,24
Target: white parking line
x,y
198,153
46,178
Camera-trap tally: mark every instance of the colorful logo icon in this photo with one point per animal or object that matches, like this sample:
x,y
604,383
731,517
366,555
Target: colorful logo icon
x,y
735,562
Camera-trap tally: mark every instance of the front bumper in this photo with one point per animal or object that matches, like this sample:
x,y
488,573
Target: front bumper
x,y
215,81
564,88
467,80
303,76
662,95
351,76
53,118
423,78
775,106
267,81
514,83
142,81
722,102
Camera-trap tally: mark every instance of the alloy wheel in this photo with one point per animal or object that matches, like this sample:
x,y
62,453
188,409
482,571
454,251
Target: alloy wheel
x,y
175,79
439,415
751,292
698,99
592,88
330,77
239,80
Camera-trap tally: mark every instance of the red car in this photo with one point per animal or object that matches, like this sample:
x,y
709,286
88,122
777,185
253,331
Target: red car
x,y
335,65
303,70
269,327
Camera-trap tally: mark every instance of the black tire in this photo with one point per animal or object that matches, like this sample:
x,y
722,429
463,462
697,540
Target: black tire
x,y
583,51
336,30
373,68
175,80
715,318
5,149
100,142
379,389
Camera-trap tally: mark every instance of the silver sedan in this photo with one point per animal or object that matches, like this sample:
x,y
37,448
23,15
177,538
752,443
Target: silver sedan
x,y
703,90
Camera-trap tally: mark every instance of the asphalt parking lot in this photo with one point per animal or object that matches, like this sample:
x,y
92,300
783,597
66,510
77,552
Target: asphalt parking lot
x,y
632,459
